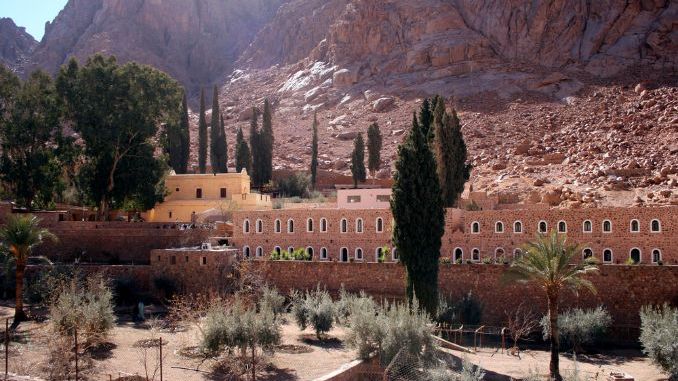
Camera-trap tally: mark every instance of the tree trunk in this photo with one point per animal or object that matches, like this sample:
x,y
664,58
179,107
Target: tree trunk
x,y
254,362
19,314
554,366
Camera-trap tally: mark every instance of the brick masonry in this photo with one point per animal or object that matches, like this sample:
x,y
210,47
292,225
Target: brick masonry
x,y
194,271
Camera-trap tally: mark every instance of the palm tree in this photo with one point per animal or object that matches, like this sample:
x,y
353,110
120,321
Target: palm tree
x,y
549,263
21,235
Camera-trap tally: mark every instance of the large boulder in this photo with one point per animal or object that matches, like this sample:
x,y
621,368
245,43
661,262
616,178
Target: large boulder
x,y
382,104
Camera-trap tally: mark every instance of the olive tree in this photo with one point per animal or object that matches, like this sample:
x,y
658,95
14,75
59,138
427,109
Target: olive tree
x,y
658,333
315,309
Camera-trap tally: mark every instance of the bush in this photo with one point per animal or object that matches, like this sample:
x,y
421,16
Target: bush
x,y
272,300
580,327
658,333
296,185
468,372
315,309
366,333
85,306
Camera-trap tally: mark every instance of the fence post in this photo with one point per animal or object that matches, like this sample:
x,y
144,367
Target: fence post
x,y
161,358
76,353
6,348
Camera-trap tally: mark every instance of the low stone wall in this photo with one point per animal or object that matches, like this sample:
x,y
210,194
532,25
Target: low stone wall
x,y
621,289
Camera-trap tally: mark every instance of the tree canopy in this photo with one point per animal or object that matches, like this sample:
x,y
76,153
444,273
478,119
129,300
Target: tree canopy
x,y
358,160
374,144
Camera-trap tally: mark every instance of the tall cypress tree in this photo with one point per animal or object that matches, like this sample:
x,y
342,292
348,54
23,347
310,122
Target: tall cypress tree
x,y
267,142
358,160
374,143
314,152
202,135
419,217
255,149
450,152
223,146
185,136
215,133
242,153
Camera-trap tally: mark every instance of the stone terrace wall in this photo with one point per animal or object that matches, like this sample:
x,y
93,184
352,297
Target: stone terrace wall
x,y
115,242
621,289
194,271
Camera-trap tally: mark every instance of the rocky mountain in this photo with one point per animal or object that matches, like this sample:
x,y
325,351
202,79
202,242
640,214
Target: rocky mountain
x,y
195,41
16,44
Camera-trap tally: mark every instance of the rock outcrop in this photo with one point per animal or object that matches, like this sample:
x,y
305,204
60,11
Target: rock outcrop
x,y
16,45
196,41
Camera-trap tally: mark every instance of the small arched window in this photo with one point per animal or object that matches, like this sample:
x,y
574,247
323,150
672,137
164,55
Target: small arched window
x,y
358,254
343,255
517,253
278,250
635,226
323,225
290,250
359,225
475,227
587,226
246,251
309,225
475,255
259,252
290,226
656,256
587,253
323,253
394,254
260,226
344,225
562,227
278,226
543,227
499,227
607,226
498,252
246,226
458,255
380,225
655,226
635,255
607,256
309,252
517,227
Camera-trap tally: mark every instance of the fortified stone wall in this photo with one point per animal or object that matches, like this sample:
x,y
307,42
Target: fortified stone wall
x,y
623,290
194,271
459,234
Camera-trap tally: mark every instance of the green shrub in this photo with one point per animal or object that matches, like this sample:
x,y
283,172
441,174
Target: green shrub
x,y
272,300
275,255
580,327
366,333
314,308
658,333
296,185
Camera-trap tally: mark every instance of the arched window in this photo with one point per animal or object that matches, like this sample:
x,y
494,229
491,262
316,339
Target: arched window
x,y
656,255
246,226
607,256
635,226
607,226
358,254
587,253
290,226
323,253
517,253
290,250
587,226
278,250
278,226
517,227
475,255
343,255
543,227
499,227
458,255
323,225
260,226
309,251
499,252
359,225
655,226
394,254
344,225
380,225
475,227
635,255
259,252
377,253
246,251
309,225
562,227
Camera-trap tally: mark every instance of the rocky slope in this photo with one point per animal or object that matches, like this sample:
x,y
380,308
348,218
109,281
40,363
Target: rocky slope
x,y
195,41
16,45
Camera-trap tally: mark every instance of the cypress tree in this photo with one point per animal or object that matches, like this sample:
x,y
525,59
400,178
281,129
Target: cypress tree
x,y
242,153
426,117
374,143
223,146
215,134
255,149
450,152
419,217
185,137
358,160
267,142
314,152
202,135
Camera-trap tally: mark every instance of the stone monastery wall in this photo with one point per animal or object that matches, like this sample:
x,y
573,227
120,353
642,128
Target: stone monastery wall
x,y
612,235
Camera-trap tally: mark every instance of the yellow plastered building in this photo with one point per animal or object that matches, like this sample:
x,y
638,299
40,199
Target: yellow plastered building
x,y
206,197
